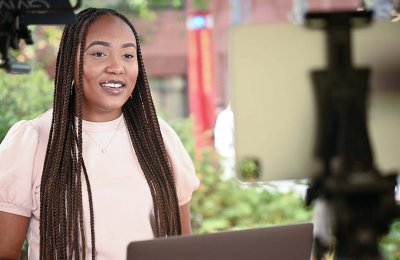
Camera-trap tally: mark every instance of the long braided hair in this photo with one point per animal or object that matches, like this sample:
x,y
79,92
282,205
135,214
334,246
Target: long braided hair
x,y
61,222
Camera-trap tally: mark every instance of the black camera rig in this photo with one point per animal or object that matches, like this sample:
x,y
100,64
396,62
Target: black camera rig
x,y
16,15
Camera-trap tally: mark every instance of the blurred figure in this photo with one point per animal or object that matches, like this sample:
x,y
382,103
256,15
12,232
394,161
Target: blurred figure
x,y
224,141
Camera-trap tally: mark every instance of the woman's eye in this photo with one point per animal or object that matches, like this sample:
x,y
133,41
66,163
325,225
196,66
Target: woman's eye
x,y
98,54
128,56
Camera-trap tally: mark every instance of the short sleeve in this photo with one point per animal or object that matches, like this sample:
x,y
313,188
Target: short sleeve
x,y
17,153
185,177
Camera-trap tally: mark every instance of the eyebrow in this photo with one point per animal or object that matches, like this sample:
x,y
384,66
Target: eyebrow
x,y
107,44
126,45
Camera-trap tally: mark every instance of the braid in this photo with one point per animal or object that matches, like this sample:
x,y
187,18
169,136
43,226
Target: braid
x,y
61,214
144,115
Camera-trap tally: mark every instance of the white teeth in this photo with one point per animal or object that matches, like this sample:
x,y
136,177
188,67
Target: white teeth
x,y
112,85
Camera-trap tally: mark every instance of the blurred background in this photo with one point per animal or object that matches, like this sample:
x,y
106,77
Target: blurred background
x,y
185,49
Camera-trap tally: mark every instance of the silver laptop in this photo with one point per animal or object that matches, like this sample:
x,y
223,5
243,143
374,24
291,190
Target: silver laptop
x,y
285,242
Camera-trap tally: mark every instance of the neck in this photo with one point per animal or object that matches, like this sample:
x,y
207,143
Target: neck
x,y
104,116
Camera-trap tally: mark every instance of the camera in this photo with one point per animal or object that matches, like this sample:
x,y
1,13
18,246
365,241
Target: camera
x,y
17,15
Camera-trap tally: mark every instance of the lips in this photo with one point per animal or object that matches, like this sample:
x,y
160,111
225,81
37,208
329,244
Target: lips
x,y
113,86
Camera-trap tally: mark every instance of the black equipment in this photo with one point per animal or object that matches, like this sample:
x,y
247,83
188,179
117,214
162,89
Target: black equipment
x,y
16,15
361,200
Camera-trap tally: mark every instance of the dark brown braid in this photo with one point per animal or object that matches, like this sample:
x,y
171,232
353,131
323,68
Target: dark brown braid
x,y
61,214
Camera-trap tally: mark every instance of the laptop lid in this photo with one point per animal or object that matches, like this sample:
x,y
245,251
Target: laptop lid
x,y
283,242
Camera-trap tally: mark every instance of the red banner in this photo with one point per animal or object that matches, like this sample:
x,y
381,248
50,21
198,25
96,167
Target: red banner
x,y
201,76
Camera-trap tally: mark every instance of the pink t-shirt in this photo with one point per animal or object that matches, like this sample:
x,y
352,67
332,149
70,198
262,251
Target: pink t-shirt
x,y
123,207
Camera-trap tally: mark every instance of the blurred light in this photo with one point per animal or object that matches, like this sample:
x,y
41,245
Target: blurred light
x,y
198,22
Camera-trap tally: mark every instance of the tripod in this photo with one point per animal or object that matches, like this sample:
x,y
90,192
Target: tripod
x,y
344,173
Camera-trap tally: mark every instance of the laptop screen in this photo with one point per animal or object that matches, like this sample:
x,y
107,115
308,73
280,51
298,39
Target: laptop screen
x,y
284,242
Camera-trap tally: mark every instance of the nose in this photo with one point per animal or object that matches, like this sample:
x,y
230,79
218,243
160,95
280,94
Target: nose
x,y
115,67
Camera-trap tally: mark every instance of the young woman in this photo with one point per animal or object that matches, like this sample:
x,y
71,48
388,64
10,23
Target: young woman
x,y
99,170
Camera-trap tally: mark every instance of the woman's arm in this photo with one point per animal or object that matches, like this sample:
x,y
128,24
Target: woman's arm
x,y
184,211
13,230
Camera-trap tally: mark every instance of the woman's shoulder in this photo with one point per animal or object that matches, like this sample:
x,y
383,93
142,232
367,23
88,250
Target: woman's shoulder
x,y
184,173
172,141
39,126
168,133
164,126
21,161
43,121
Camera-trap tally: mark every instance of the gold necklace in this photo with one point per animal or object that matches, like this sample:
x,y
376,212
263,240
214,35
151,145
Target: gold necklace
x,y
104,149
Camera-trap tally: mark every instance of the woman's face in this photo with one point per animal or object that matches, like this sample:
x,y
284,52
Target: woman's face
x,y
110,68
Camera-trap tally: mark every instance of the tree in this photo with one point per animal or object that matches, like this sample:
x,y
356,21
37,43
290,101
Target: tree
x,y
26,96
145,8
23,97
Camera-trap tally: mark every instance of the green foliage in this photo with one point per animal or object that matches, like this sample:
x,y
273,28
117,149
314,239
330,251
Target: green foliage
x,y
390,244
249,169
23,97
201,4
145,8
27,96
223,205
142,7
46,46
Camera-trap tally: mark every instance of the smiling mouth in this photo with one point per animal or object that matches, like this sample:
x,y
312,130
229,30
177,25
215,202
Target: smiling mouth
x,y
113,84
113,87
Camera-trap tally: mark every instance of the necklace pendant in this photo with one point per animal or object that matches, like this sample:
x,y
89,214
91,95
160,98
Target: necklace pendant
x,y
103,149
